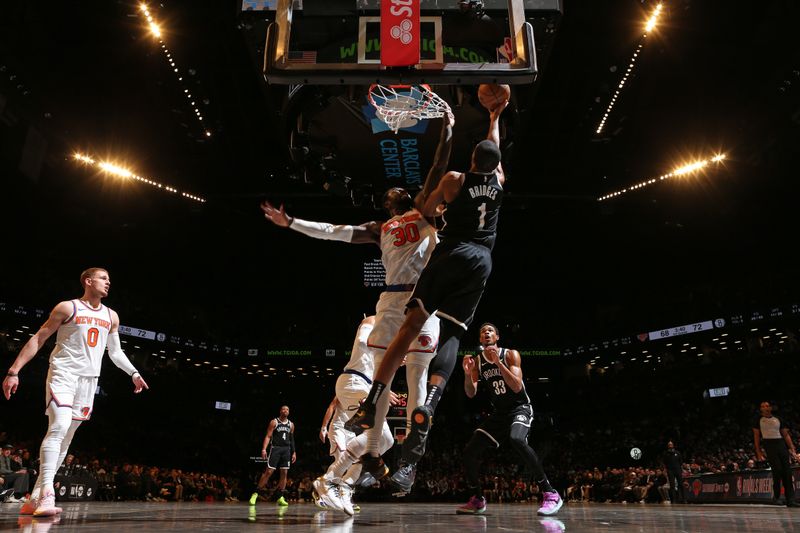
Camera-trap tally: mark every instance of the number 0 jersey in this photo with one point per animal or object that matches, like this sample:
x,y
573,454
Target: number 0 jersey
x,y
407,242
501,396
472,215
81,340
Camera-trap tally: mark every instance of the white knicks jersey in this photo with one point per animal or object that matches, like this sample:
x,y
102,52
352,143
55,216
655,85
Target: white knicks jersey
x,y
407,242
81,340
361,359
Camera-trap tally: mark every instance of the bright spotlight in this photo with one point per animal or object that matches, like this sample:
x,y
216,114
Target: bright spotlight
x,y
691,167
653,20
116,170
155,30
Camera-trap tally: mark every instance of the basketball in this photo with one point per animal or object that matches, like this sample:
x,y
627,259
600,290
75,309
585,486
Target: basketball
x,y
491,95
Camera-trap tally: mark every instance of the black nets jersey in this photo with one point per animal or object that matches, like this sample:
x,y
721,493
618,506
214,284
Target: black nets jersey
x,y
472,215
501,396
282,434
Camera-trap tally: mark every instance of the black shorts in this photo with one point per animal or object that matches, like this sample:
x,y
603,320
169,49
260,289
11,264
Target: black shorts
x,y
499,426
279,457
452,282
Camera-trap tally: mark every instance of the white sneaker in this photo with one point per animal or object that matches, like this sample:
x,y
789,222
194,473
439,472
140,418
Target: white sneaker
x,y
47,505
346,492
327,494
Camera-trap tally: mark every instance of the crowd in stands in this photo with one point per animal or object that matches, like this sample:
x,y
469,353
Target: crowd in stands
x,y
584,444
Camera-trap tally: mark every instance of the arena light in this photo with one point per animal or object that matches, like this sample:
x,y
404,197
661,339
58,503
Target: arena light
x,y
155,30
119,171
653,20
682,170
651,23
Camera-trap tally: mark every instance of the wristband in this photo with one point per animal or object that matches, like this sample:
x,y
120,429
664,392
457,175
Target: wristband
x,y
12,374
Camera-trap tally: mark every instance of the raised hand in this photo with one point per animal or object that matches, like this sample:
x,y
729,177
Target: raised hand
x,y
468,364
275,215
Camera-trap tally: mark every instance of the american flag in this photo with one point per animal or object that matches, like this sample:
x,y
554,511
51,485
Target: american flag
x,y
302,57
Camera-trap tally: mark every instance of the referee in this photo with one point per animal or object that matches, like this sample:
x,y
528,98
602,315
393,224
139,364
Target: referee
x,y
777,442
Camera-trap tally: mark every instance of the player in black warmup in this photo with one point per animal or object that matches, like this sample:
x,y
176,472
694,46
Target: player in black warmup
x,y
280,443
451,284
498,372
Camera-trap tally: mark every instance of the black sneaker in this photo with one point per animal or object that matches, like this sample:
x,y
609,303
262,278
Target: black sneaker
x,y
792,503
362,420
375,466
365,480
416,440
404,478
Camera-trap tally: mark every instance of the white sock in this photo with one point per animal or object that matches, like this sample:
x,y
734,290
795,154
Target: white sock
x,y
56,442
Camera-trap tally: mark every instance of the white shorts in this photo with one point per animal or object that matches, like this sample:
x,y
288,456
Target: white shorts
x,y
350,391
68,390
390,314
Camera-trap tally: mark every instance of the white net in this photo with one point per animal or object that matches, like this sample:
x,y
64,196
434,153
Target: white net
x,y
403,106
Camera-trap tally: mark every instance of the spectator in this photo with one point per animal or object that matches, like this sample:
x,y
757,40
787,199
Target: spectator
x,y
15,477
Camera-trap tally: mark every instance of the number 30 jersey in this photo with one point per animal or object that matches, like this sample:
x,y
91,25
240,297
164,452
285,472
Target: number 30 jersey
x,y
472,215
501,396
407,242
81,340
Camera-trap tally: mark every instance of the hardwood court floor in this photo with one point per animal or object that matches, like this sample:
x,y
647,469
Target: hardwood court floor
x,y
140,517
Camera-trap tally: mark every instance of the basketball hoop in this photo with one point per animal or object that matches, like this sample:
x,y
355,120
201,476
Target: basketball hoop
x,y
401,106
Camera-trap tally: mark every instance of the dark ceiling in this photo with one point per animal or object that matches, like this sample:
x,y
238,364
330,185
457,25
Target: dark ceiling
x,y
87,76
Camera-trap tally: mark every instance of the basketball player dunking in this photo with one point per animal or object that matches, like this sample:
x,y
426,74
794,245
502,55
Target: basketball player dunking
x,y
498,372
85,328
451,285
406,241
279,441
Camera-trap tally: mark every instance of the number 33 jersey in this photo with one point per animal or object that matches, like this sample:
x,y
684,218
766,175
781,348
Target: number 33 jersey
x,y
407,242
81,340
501,396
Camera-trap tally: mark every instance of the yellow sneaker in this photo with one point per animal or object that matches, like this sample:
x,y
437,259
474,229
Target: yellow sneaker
x,y
254,498
282,502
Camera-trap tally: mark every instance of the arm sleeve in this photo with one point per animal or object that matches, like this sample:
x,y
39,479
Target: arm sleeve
x,y
322,230
118,356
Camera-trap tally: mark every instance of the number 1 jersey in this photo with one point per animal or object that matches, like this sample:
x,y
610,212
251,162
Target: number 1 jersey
x,y
472,215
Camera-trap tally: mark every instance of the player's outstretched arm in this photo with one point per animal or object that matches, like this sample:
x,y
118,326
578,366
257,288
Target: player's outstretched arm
x,y
368,232
440,161
119,358
494,135
58,316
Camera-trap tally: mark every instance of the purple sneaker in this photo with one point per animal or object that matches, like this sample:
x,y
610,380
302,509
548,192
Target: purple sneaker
x,y
475,505
551,504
